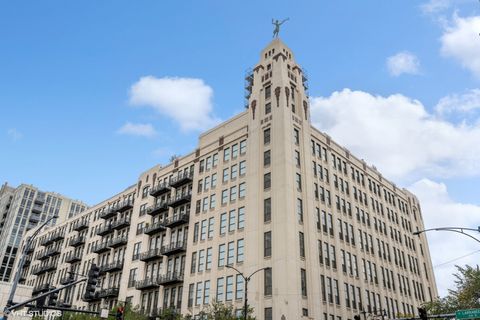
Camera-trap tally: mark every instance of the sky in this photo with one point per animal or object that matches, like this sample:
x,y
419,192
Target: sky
x,y
92,93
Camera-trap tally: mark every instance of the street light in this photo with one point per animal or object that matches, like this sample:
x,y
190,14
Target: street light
x,y
21,263
460,230
246,280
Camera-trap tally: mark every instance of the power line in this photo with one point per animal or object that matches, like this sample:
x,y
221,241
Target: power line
x,y
453,260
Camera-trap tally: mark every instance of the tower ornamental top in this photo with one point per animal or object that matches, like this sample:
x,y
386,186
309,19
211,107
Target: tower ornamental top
x,y
277,23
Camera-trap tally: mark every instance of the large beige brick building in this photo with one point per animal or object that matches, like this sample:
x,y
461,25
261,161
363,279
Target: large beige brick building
x,y
263,189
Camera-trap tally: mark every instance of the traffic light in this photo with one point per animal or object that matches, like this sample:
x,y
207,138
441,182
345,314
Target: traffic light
x,y
53,298
356,317
422,313
120,313
92,280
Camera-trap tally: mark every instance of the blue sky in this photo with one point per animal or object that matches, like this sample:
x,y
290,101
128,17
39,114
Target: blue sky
x,y
72,122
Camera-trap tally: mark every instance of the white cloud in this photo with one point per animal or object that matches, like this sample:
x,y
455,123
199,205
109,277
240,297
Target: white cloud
x,y
14,134
466,102
188,101
403,62
439,210
398,135
461,42
435,6
138,129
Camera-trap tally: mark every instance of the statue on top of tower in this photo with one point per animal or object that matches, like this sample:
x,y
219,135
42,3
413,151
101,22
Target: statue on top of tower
x,y
277,23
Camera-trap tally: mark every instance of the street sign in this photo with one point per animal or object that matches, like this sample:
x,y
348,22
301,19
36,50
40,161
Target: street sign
x,y
468,314
104,313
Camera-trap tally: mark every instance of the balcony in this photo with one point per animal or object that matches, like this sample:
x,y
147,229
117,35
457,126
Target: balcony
x,y
66,280
39,269
108,293
81,225
121,223
27,262
177,220
34,218
181,179
37,208
157,209
57,236
152,254
174,248
77,241
180,199
147,283
42,255
108,213
41,288
154,228
120,207
104,229
112,267
91,298
160,189
125,205
73,257
39,200
101,247
54,251
117,242
172,278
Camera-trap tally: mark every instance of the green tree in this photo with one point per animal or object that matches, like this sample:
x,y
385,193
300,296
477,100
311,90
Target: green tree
x,y
221,311
465,295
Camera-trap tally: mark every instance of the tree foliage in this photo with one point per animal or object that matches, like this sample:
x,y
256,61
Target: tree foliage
x,y
465,295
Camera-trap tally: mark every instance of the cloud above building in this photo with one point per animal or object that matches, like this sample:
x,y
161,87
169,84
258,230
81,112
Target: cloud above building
x,y
403,63
138,129
187,101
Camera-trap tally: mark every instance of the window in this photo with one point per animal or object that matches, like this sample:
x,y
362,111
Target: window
x,y
132,277
198,299
240,250
267,181
215,159
241,190
224,196
213,202
268,108
239,287
231,221
201,260
205,204
203,232
226,154
241,218
140,228
301,238
266,158
206,292
298,181
268,314
296,136
234,151
136,250
303,280
300,210
267,210
143,209
191,288
210,227
267,244
208,163
208,264
233,193
267,282
268,92
145,191
229,295
297,158
214,180
243,167
225,174
231,253
243,146
223,223
266,136
221,255
220,288
196,228
193,267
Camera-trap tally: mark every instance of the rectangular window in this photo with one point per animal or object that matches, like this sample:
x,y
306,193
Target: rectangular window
x,y
240,255
203,232
242,190
229,295
225,196
267,210
231,221
215,159
239,287
223,223
298,181
220,289
268,108
214,180
267,244
213,202
266,136
191,289
196,230
226,154
206,292
243,146
297,158
221,255
193,267
267,183
303,278
267,282
231,253
225,175
201,260
301,238
268,314
266,158
208,265
233,172
210,227
241,218
233,193
300,210
198,298
234,151
296,136
243,167
268,92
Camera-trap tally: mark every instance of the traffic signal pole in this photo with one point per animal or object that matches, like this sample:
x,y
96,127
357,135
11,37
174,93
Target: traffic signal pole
x,y
21,304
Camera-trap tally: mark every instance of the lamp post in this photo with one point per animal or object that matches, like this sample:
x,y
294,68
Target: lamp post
x,y
21,263
246,280
460,230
